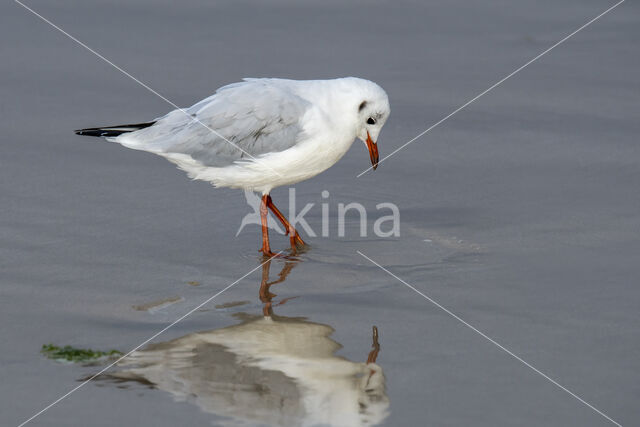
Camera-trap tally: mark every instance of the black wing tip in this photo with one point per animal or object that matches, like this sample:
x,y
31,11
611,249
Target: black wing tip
x,y
108,131
96,132
91,132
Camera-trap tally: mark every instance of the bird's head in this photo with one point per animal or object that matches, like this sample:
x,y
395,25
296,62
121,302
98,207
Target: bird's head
x,y
372,112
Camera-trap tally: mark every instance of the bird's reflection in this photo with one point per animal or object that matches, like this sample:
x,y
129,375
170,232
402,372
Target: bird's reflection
x,y
265,370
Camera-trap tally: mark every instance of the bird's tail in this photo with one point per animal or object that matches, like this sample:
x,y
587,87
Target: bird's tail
x,y
111,131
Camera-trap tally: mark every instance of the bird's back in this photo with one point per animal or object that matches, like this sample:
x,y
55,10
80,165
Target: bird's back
x,y
240,121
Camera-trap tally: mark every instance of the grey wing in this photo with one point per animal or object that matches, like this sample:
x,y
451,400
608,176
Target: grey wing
x,y
239,122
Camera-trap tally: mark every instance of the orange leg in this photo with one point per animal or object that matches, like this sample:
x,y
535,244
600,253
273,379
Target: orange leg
x,y
294,237
264,212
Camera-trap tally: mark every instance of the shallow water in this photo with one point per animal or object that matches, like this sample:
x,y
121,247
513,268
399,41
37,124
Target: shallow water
x,y
266,369
519,215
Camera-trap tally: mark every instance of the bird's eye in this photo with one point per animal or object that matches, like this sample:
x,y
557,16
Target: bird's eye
x,y
371,121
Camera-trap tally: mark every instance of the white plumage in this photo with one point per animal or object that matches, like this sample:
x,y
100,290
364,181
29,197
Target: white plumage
x,y
263,133
274,371
268,132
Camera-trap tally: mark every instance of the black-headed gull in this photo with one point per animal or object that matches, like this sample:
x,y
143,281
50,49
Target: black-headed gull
x,y
259,134
265,370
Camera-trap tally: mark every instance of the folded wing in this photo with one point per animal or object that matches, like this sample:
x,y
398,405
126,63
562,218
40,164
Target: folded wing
x,y
239,122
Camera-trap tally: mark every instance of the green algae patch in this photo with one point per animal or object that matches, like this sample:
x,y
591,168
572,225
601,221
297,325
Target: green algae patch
x,y
76,355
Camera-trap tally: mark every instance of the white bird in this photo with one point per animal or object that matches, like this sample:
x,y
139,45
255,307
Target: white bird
x,y
276,371
260,134
267,370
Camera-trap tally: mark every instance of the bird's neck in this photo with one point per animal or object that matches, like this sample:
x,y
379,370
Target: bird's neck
x,y
337,98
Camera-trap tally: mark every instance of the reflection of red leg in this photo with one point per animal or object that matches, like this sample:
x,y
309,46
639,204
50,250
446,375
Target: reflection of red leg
x,y
266,249
294,237
265,294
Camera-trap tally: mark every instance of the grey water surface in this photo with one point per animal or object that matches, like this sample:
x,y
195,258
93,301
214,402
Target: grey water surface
x,y
520,215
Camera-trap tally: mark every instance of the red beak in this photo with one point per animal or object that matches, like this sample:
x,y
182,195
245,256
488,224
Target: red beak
x,y
373,151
